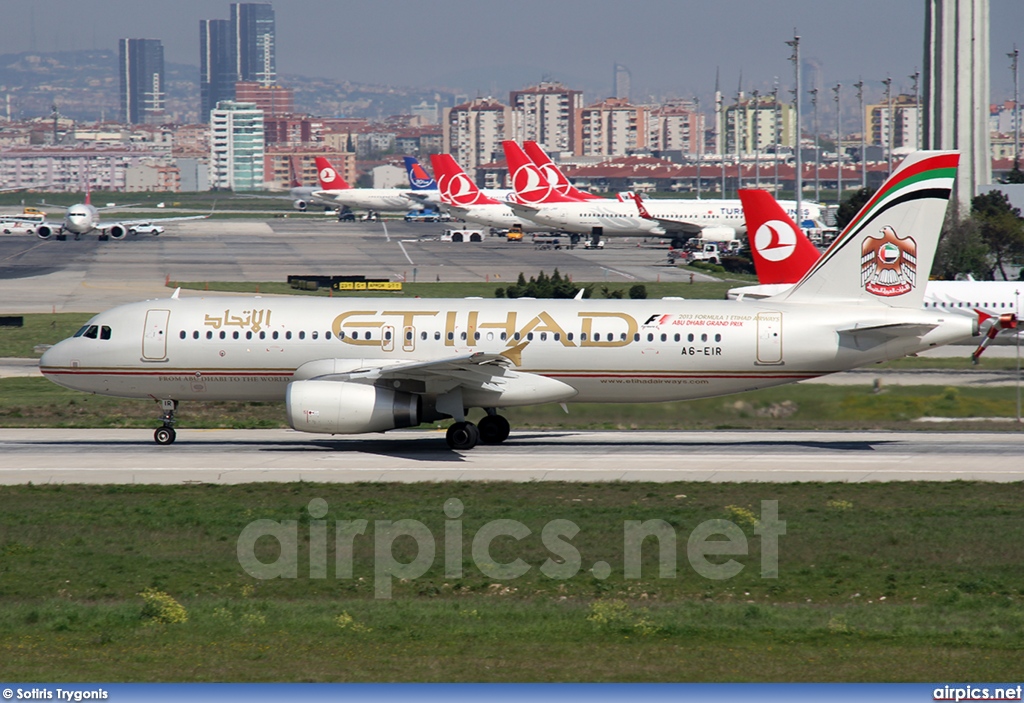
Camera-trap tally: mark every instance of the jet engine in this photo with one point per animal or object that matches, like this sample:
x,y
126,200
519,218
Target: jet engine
x,y
341,407
117,232
44,231
300,205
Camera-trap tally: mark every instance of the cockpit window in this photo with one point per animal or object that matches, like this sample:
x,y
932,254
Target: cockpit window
x,y
92,332
80,332
104,332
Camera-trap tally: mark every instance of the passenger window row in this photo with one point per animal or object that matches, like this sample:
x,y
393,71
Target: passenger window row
x,y
368,335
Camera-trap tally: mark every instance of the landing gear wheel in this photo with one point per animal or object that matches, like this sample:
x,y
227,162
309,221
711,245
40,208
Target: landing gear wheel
x,y
164,435
493,429
574,239
462,435
678,243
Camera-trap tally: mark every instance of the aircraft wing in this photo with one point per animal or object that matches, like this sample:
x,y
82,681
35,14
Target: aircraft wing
x,y
870,336
669,225
151,220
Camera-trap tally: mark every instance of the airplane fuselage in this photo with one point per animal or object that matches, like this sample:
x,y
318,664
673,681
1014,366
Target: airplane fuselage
x,y
603,350
81,218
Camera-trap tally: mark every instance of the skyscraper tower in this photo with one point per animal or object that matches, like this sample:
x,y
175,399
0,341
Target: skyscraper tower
x,y
620,81
217,65
956,88
142,80
253,26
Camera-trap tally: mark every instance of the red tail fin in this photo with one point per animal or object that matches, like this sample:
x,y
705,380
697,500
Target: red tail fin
x,y
554,174
455,185
329,178
782,252
531,186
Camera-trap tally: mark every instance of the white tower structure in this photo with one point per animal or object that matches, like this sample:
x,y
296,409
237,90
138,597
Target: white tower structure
x,y
956,88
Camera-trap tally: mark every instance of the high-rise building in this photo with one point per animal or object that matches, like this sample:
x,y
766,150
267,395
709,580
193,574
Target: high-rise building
x,y
253,25
474,131
756,126
142,80
956,88
904,111
675,126
621,79
546,114
236,146
217,65
612,127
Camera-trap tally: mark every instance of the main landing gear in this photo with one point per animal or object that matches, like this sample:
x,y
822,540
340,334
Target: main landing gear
x,y
492,429
166,434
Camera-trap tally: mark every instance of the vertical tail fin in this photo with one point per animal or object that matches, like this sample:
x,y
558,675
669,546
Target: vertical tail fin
x,y
554,174
329,178
531,186
455,185
418,178
782,252
885,254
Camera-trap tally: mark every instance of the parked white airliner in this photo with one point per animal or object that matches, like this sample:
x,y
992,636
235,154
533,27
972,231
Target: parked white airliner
x,y
464,200
539,198
370,365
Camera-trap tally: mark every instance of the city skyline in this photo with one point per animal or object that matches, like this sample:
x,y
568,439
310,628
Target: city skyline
x,y
671,49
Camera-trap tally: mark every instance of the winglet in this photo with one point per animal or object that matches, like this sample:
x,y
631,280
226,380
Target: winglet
x,y
177,291
640,206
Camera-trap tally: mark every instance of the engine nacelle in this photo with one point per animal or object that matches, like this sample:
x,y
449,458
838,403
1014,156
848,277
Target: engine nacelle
x,y
44,231
117,232
340,407
300,205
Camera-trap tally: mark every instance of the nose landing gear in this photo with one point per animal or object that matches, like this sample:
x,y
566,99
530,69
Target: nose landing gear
x,y
166,434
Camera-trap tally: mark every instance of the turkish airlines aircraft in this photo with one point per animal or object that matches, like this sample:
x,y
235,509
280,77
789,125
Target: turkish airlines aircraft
x,y
783,254
335,191
554,175
345,366
463,199
84,218
538,199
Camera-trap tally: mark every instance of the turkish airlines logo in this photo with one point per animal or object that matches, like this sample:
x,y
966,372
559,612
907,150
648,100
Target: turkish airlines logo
x,y
775,240
888,264
328,175
551,173
419,177
530,185
458,190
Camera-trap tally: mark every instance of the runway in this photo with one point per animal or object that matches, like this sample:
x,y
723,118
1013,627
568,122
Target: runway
x,y
244,456
90,276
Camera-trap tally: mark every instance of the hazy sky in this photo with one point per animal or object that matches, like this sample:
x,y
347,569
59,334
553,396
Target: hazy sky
x,y
670,46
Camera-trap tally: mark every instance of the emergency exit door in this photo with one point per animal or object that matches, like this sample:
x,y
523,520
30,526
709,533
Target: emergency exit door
x,y
154,338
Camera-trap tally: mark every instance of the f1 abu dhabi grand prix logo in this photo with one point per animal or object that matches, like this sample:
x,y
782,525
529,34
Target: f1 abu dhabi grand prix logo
x,y
775,240
530,185
888,264
458,190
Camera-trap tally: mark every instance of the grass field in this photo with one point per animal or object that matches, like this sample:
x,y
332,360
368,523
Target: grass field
x,y
894,582
36,402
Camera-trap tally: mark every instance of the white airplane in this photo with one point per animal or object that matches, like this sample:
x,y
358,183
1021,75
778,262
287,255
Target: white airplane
x,y
783,254
462,198
539,198
84,218
346,366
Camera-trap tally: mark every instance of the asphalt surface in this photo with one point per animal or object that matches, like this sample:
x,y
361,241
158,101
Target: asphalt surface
x,y
89,275
242,456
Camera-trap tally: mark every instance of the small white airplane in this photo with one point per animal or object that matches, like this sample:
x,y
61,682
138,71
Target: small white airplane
x,y
348,366
84,218
463,199
783,254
